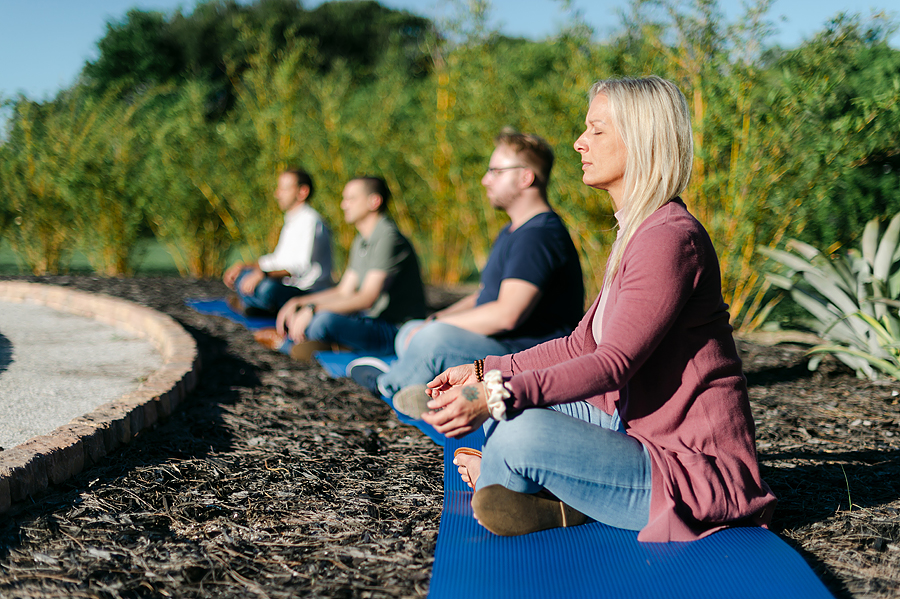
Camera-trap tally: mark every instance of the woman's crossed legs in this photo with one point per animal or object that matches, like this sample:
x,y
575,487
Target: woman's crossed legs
x,y
576,452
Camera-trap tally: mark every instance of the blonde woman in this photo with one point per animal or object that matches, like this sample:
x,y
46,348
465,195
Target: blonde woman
x,y
640,418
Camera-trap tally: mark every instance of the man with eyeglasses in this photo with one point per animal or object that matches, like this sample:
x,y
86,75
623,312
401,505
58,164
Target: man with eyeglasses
x,y
531,287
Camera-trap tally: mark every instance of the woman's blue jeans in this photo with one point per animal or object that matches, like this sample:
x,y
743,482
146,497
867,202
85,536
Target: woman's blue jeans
x,y
577,452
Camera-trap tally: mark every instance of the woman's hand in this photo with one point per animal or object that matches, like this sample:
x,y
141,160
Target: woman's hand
x,y
458,402
452,377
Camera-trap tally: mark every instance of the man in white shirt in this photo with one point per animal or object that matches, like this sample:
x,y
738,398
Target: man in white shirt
x,y
301,261
380,289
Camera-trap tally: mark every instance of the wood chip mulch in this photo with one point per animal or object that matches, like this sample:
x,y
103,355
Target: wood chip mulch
x,y
274,480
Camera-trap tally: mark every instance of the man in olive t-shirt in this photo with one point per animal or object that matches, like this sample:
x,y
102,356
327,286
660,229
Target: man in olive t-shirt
x,y
380,290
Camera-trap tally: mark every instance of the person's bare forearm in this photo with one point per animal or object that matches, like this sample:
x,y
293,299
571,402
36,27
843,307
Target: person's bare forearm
x,y
345,304
319,297
515,301
487,319
277,274
466,303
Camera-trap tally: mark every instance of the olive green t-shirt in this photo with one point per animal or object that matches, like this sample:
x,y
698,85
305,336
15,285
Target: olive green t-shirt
x,y
403,296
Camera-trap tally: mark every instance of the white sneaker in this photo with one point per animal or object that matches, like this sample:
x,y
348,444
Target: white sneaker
x,y
366,370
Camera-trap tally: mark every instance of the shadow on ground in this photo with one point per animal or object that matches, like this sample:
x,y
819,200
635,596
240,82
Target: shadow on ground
x,y
6,353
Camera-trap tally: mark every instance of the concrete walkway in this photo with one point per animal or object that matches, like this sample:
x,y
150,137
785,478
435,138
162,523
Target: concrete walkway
x,y
56,366
66,358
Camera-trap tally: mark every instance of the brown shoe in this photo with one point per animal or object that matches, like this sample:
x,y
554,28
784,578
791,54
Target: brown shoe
x,y
234,302
269,338
303,352
510,514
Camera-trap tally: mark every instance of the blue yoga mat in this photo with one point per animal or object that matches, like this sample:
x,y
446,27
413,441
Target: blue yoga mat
x,y
335,364
595,561
219,307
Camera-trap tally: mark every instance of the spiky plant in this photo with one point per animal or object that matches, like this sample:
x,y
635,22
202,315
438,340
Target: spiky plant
x,y
852,297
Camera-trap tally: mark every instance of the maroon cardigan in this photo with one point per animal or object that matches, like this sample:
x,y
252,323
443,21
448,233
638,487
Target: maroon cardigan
x,y
668,363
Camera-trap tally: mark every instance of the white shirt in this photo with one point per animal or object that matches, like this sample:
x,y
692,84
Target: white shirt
x,y
303,249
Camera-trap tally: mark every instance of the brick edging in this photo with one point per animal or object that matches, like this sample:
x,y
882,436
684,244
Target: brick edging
x,y
32,466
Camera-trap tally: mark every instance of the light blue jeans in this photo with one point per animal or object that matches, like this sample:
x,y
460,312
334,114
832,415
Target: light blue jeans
x,y
435,348
577,452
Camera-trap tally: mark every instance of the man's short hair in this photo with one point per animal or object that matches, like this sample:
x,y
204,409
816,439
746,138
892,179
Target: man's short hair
x,y
533,150
303,178
378,186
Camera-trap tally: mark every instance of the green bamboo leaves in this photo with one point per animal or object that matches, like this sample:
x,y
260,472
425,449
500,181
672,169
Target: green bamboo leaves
x,y
798,143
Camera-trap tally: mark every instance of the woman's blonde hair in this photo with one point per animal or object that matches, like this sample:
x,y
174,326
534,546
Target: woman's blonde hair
x,y
652,116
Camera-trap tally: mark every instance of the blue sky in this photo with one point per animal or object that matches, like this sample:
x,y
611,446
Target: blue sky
x,y
44,43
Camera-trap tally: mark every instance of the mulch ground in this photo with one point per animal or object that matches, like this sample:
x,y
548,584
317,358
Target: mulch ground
x,y
274,480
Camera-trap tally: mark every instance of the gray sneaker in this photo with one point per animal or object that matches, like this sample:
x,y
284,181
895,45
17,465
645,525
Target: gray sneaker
x,y
365,371
411,401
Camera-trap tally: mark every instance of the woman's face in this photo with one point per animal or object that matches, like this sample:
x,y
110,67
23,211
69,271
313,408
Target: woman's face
x,y
602,151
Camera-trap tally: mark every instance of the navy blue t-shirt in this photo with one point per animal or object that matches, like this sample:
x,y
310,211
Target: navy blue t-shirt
x,y
542,253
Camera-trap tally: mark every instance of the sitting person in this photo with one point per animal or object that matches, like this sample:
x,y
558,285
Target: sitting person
x,y
640,418
301,261
531,289
380,290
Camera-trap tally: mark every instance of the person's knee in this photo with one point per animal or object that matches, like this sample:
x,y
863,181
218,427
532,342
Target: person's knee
x,y
406,333
434,348
409,326
322,326
506,437
240,277
520,435
265,289
431,338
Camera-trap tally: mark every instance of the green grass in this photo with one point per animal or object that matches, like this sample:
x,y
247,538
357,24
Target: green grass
x,y
8,263
153,259
150,259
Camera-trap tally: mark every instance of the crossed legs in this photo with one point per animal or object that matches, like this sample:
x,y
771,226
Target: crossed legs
x,y
575,452
270,294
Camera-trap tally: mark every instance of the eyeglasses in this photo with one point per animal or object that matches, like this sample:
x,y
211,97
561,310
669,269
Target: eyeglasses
x,y
494,171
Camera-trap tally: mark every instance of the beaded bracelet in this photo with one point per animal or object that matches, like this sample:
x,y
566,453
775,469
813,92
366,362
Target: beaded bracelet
x,y
497,394
479,371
